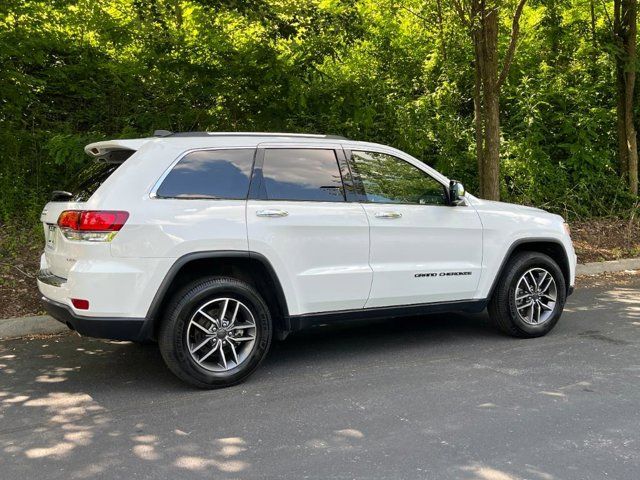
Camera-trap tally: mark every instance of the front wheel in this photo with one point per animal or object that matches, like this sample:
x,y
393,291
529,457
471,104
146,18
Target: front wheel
x,y
216,332
529,297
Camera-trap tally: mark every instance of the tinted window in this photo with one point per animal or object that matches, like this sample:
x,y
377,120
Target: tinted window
x,y
388,179
302,174
88,181
210,174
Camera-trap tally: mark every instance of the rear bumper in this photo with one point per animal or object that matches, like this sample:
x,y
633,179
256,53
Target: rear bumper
x,y
114,287
98,327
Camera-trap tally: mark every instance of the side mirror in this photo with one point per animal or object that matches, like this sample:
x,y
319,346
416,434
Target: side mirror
x,y
456,193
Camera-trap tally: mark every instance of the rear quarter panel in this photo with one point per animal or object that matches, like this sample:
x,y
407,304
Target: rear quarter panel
x,y
166,228
158,231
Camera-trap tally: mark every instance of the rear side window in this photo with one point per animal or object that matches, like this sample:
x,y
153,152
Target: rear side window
x,y
211,174
302,174
88,181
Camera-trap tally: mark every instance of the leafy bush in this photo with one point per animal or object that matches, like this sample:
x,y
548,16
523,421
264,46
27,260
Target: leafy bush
x,y
76,72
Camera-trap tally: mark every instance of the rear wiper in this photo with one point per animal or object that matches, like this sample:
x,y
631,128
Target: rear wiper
x,y
61,196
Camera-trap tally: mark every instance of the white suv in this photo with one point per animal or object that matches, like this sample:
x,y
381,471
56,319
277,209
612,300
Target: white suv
x,y
214,243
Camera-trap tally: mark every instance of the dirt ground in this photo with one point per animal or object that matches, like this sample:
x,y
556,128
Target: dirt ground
x,y
19,264
601,239
594,240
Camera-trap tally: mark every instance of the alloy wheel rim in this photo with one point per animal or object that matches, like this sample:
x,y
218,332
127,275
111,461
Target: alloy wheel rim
x,y
536,295
221,334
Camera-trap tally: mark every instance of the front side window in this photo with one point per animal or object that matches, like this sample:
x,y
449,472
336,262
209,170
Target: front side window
x,y
388,179
210,174
302,174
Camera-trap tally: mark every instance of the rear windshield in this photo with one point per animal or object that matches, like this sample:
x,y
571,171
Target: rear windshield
x,y
89,179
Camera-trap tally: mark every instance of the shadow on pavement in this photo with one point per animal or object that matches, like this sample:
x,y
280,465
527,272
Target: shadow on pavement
x,y
60,395
63,398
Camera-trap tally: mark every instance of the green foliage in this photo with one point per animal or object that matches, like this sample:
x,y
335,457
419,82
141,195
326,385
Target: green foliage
x,y
76,72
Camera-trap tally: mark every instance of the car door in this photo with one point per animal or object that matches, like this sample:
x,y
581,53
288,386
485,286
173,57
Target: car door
x,y
299,217
422,249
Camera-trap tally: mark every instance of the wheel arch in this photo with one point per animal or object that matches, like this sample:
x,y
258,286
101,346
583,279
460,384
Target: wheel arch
x,y
251,267
549,246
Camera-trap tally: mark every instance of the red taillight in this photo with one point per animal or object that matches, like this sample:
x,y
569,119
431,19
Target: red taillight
x,y
91,225
93,220
80,303
69,219
102,221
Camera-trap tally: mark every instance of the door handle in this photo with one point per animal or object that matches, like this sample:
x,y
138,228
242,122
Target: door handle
x,y
272,213
388,214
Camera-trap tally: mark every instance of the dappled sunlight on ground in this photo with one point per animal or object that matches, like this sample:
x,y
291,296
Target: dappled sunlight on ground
x,y
78,408
66,397
345,439
59,399
55,402
481,472
225,457
484,472
629,297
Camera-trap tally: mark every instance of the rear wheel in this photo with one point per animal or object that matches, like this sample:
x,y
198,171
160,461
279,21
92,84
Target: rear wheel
x,y
530,295
216,332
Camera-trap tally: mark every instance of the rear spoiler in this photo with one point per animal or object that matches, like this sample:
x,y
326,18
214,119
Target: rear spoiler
x,y
114,151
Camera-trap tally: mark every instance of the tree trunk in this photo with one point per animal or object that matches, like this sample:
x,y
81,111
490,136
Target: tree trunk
x,y
624,35
623,152
483,22
481,17
491,104
630,23
478,114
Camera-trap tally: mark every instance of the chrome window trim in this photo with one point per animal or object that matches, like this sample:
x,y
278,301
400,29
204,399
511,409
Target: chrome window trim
x,y
153,193
299,145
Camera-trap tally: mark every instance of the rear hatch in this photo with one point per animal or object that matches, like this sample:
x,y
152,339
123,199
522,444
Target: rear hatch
x,y
61,253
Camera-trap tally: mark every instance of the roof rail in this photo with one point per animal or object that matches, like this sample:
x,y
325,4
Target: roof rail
x,y
168,133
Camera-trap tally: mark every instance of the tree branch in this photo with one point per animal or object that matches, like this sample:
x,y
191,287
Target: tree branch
x,y
606,13
459,8
421,17
515,30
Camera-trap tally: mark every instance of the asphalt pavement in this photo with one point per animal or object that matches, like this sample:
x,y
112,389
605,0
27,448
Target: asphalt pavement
x,y
438,397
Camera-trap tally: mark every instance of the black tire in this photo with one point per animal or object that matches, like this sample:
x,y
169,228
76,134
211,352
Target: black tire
x,y
502,305
172,338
